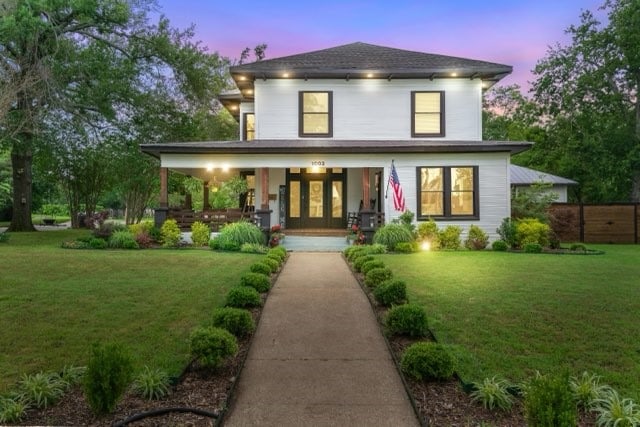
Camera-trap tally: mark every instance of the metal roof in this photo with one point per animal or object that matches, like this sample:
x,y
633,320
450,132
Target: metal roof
x,y
525,176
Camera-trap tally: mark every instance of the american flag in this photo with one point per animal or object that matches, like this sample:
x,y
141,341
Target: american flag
x,y
398,197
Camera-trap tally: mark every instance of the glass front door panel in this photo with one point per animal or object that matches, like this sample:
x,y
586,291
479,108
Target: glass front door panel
x,y
336,199
316,199
294,199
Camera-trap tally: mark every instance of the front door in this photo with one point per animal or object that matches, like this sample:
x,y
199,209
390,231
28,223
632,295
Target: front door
x,y
316,198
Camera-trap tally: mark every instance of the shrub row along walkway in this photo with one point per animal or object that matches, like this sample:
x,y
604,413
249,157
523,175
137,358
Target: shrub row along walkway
x,y
318,357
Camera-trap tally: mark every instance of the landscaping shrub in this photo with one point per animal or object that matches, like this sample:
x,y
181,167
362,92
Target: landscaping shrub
x,y
407,319
406,220
276,257
74,244
549,402
97,243
477,239
41,390
211,345
578,247
507,232
253,248
243,296
391,292
587,389
428,232
152,384
108,375
407,247
273,264
141,227
200,234
143,240
493,393
499,246
11,410
233,236
531,230
616,412
258,281
123,240
390,235
4,237
235,320
278,250
427,360
260,267
223,245
367,266
449,237
170,234
106,230
357,251
376,276
72,375
357,264
532,248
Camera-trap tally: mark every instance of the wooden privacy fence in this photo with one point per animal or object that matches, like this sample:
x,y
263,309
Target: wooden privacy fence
x,y
604,223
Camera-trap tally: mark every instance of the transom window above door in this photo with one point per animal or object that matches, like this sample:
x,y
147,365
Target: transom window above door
x,y
316,114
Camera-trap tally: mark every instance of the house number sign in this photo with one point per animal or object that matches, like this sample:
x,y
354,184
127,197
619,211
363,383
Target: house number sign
x,y
317,163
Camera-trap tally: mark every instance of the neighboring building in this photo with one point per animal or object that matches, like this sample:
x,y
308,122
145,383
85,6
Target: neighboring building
x,y
320,131
522,177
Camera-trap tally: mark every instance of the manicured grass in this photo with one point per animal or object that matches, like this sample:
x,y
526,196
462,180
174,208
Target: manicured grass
x,y
513,314
54,303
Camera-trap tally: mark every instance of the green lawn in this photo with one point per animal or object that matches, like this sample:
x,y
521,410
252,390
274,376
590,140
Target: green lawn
x,y
513,314
54,303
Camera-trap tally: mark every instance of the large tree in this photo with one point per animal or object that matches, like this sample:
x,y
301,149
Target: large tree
x,y
88,62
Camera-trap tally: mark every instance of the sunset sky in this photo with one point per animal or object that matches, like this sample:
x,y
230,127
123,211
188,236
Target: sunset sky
x,y
510,32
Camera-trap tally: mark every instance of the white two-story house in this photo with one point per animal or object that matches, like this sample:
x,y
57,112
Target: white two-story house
x,y
320,130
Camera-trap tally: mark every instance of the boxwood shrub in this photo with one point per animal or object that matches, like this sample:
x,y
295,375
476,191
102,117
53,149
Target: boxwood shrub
x,y
273,264
367,266
211,346
357,264
499,246
238,321
391,292
243,296
407,247
427,360
278,250
376,276
276,257
260,267
407,319
257,281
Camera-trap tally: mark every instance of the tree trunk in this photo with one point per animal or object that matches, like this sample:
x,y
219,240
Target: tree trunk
x,y
21,163
635,178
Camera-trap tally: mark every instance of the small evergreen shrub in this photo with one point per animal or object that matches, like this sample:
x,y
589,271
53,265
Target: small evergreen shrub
x,y
235,320
357,264
170,234
253,248
278,250
41,390
507,232
376,276
578,247
449,237
152,384
141,227
493,393
367,266
12,410
407,319
499,246
407,247
108,375
391,292
549,402
272,263
97,243
260,267
427,360
356,252
531,230
257,281
477,239
532,248
428,232
616,412
200,234
123,240
243,296
390,235
211,345
276,257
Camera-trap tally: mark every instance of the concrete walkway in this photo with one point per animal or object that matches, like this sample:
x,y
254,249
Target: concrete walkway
x,y
318,357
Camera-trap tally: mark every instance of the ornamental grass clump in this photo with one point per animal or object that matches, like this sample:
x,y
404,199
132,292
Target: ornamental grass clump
x,y
612,411
493,393
376,276
243,296
122,240
407,319
41,390
427,361
12,410
109,373
390,235
260,282
152,384
548,401
587,389
238,321
210,346
391,292
233,236
200,234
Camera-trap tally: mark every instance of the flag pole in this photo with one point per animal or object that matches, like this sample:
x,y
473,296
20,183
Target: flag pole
x,y
386,193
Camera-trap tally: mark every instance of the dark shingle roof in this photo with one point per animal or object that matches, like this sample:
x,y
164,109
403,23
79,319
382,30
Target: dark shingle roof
x,y
525,176
365,57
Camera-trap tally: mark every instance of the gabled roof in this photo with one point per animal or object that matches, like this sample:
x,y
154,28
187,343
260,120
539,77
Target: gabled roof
x,y
525,176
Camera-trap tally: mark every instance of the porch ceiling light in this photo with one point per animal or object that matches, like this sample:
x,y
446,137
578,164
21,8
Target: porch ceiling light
x,y
369,75
243,78
225,168
454,74
209,167
285,75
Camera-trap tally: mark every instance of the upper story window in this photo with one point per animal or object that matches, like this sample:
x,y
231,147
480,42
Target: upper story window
x,y
249,128
427,114
316,114
448,192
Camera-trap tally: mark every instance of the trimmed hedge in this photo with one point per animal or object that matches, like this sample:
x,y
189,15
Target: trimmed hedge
x,y
258,281
243,296
427,360
238,321
407,319
376,276
391,292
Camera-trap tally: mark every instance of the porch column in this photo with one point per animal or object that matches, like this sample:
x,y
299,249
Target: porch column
x,y
164,187
205,195
264,184
366,197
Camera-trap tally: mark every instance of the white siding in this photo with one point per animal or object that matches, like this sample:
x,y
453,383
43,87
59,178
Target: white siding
x,y
368,109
